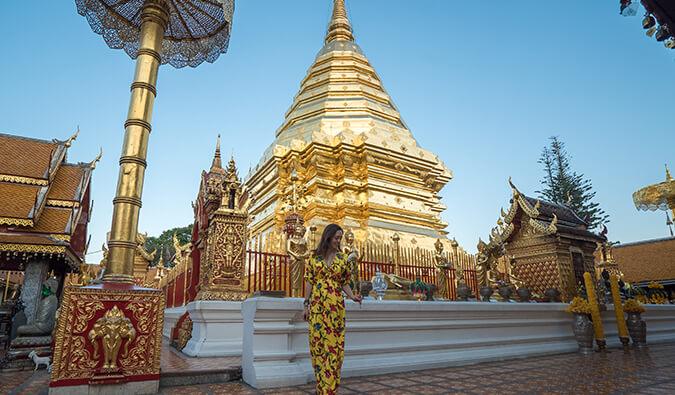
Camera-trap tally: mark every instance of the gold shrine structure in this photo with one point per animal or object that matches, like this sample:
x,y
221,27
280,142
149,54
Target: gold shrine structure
x,y
541,244
220,234
352,160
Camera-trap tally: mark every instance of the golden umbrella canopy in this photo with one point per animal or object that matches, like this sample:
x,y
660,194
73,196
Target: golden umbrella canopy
x,y
197,30
657,196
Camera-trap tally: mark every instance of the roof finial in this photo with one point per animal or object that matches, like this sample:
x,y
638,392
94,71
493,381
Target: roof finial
x,y
70,140
339,28
216,157
668,176
93,163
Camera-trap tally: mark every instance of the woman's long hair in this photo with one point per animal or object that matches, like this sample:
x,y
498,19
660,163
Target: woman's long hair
x,y
328,233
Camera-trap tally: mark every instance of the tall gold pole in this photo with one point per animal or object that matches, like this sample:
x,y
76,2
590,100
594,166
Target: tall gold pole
x,y
127,202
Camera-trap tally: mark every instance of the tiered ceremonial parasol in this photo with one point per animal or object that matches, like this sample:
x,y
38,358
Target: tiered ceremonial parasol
x,y
657,196
179,32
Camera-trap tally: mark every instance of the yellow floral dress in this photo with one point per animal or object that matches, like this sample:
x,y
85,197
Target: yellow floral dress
x,y
327,320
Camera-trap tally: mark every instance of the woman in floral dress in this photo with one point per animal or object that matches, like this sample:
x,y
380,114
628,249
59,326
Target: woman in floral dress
x,y
326,276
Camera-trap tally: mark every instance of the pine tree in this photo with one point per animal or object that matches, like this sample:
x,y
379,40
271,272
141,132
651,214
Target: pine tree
x,y
164,242
566,187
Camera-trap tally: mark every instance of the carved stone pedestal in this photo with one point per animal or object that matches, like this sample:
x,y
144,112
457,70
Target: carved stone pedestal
x,y
108,339
216,329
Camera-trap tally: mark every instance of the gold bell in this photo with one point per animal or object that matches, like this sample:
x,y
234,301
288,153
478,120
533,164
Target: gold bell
x,y
670,43
650,32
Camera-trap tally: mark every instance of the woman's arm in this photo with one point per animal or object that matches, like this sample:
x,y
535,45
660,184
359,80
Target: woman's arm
x,y
350,294
308,295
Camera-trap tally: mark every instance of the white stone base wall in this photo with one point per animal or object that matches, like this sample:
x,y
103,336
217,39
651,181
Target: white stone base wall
x,y
216,329
171,316
400,336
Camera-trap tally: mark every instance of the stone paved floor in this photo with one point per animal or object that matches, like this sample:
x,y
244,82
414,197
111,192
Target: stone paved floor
x,y
173,360
650,371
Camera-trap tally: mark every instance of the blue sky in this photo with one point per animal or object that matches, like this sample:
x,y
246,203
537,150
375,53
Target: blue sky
x,y
482,84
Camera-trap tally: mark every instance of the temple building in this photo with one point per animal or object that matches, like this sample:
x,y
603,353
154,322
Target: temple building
x,y
44,213
344,155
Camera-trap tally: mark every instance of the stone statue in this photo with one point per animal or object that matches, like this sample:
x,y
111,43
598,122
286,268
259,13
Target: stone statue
x,y
102,264
85,277
459,278
353,258
142,258
46,312
298,250
442,266
494,276
483,266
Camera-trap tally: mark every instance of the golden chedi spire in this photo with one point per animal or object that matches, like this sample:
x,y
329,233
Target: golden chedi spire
x,y
349,145
339,28
668,176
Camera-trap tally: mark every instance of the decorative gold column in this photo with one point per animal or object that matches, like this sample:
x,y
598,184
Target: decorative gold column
x,y
127,202
595,311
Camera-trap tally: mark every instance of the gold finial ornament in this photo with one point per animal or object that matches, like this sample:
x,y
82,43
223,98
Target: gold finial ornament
x,y
98,158
74,137
339,28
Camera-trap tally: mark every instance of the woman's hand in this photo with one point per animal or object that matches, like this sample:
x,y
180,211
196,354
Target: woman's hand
x,y
305,313
357,298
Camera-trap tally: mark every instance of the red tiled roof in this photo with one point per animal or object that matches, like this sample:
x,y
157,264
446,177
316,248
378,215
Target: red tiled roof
x,y
65,183
16,200
646,261
53,220
25,157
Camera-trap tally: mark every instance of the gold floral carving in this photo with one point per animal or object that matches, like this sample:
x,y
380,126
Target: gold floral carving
x,y
65,238
112,329
23,180
81,359
84,312
185,333
16,221
62,203
143,313
37,248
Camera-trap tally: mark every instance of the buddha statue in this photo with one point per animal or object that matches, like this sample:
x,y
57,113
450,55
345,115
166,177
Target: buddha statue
x,y
442,266
353,259
46,312
298,251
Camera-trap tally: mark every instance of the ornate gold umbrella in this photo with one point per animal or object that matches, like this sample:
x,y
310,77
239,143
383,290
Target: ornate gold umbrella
x,y
657,196
178,32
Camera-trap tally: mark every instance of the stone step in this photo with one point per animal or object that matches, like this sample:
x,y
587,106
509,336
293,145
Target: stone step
x,y
196,377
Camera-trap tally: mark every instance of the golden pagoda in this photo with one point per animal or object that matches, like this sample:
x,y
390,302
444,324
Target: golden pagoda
x,y
352,158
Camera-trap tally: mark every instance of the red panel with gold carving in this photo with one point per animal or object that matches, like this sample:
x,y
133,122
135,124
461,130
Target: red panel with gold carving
x,y
108,333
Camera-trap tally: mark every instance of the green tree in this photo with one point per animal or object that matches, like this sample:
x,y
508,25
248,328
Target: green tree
x,y
164,243
564,186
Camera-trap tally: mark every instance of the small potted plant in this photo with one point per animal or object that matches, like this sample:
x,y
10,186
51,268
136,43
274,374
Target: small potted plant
x,y
637,327
582,326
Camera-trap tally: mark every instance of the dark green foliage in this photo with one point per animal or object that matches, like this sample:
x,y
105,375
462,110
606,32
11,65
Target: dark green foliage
x,y
562,184
164,243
